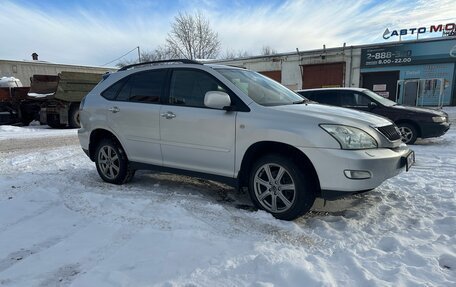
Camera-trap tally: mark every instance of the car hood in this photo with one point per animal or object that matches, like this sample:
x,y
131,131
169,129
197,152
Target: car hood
x,y
427,111
335,115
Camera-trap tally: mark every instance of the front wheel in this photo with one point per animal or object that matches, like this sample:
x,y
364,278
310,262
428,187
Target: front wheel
x,y
280,186
408,133
112,163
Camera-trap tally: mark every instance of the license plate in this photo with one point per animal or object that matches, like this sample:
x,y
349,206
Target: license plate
x,y
410,160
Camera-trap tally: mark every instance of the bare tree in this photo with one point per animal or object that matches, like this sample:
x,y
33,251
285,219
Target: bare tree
x,y
158,54
267,51
231,54
191,37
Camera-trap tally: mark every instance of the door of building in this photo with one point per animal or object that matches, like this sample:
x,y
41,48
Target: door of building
x,y
275,75
421,92
410,92
323,75
383,83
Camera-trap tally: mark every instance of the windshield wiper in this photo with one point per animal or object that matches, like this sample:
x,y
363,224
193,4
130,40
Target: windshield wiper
x,y
300,102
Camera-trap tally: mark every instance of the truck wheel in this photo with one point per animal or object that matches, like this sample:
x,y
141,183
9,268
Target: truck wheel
x,y
280,187
112,163
73,117
409,133
54,122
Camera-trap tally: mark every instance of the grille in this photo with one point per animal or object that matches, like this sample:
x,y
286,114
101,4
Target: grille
x,y
390,132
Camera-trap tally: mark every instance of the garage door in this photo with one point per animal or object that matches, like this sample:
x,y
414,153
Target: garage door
x,y
323,75
275,75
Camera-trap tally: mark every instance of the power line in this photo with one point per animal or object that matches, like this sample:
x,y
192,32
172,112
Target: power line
x,y
121,56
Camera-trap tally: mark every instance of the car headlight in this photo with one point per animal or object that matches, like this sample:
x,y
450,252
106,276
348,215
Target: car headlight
x,y
350,137
439,119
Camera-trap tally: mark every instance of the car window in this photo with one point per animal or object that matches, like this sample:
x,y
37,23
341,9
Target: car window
x,y
124,92
327,97
347,98
143,87
362,100
379,99
147,86
354,99
188,87
111,92
261,89
308,95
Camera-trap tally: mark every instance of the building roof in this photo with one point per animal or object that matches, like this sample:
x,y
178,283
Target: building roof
x,y
337,49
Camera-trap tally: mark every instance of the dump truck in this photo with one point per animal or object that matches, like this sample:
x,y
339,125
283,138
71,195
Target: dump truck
x,y
59,96
14,106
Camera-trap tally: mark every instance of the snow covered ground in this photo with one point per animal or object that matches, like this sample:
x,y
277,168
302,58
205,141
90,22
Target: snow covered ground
x,y
60,225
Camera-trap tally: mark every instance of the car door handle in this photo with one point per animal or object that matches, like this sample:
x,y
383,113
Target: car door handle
x,y
168,115
114,110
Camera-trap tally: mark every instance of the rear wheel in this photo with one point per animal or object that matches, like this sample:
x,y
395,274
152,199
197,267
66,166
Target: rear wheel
x,y
280,187
73,116
409,133
112,163
53,121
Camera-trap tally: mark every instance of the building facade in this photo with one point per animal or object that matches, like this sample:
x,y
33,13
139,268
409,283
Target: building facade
x,y
419,72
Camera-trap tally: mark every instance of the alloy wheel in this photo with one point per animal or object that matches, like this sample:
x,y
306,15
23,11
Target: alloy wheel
x,y
274,188
406,134
108,161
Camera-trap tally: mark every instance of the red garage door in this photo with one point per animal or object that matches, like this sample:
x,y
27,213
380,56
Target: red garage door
x,y
275,75
323,75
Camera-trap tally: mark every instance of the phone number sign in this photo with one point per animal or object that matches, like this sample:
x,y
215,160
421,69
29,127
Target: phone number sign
x,y
386,56
409,54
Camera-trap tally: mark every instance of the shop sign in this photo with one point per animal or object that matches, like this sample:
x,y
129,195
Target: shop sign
x,y
446,30
409,54
379,87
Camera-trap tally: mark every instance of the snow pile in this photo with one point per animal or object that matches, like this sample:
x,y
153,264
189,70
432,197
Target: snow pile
x,y
61,225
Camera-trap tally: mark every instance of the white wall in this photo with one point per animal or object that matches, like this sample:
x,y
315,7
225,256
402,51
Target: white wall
x,y
290,64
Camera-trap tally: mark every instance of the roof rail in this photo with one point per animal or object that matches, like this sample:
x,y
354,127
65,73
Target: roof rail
x,y
183,61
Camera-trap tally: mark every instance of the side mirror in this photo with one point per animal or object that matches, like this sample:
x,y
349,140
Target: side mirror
x,y
372,105
217,100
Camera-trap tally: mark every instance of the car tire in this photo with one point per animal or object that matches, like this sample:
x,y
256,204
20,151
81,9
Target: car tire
x,y
112,162
409,133
73,117
278,185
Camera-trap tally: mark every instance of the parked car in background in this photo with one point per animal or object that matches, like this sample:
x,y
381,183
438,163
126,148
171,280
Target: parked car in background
x,y
413,122
238,127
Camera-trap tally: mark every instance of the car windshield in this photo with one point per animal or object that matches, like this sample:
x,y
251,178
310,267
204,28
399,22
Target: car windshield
x,y
261,89
380,99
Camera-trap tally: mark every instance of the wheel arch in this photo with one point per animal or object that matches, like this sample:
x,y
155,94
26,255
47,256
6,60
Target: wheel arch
x,y
96,136
410,122
262,148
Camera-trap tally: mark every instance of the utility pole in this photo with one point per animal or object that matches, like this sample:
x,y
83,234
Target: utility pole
x,y
139,55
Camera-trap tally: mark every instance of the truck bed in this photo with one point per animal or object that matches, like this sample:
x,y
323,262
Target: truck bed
x,y
67,86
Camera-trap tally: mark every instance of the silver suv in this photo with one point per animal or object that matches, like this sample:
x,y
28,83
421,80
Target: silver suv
x,y
238,127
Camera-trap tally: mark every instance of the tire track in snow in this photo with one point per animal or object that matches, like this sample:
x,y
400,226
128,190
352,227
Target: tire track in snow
x,y
21,145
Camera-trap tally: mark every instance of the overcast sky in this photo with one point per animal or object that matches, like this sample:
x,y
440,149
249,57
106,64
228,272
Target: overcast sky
x,y
95,32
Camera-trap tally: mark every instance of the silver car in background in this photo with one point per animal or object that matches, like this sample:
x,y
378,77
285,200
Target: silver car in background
x,y
238,127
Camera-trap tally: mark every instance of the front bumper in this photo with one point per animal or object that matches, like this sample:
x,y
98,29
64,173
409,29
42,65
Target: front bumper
x,y
430,130
330,164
